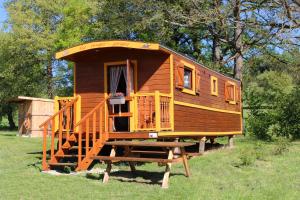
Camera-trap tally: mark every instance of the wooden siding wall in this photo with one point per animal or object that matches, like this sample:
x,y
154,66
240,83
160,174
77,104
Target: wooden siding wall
x,y
195,119
153,73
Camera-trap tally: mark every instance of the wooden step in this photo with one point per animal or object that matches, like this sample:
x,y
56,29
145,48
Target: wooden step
x,y
76,147
148,152
132,159
149,144
63,164
68,156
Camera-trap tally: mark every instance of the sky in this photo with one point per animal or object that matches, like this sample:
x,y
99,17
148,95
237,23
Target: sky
x,y
3,14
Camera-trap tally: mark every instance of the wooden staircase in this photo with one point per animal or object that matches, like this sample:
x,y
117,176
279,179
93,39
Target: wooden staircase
x,y
78,142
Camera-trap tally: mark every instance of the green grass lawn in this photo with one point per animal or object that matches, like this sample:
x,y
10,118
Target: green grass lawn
x,y
217,175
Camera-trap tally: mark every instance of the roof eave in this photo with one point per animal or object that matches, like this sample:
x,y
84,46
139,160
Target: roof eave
x,y
106,44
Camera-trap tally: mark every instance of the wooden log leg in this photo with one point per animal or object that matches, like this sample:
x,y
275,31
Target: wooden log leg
x,y
202,145
185,162
165,182
176,149
107,172
230,141
109,166
126,154
132,167
160,164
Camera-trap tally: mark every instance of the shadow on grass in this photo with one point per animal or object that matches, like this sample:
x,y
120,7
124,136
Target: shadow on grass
x,y
139,176
39,154
37,165
8,134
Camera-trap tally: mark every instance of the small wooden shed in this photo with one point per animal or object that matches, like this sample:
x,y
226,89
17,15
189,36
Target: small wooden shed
x,y
32,112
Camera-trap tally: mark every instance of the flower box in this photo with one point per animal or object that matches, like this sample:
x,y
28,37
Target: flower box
x,y
117,99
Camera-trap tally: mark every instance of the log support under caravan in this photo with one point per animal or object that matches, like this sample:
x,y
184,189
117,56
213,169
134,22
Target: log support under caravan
x,y
109,165
230,141
202,145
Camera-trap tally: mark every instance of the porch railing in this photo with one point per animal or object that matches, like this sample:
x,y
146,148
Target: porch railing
x,y
153,111
74,112
62,116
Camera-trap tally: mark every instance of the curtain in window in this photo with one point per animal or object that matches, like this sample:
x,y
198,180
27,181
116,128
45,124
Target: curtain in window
x,y
115,74
124,70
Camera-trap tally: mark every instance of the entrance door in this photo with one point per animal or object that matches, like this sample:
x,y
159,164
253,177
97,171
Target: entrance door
x,y
120,83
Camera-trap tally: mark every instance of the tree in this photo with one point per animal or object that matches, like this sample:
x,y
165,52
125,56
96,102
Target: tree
x,y
36,30
271,98
42,28
239,28
15,77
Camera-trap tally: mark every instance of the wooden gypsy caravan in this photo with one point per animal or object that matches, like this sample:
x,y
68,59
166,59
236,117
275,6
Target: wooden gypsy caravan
x,y
126,92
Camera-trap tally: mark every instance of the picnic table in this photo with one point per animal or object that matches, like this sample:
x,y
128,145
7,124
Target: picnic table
x,y
175,152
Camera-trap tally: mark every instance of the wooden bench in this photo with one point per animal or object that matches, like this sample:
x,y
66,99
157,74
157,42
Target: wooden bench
x,y
128,145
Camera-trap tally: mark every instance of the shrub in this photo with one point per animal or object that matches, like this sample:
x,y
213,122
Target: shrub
x,y
289,116
258,124
247,157
281,147
274,106
260,151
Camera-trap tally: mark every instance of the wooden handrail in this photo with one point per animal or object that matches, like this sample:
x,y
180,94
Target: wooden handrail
x,y
51,121
69,104
90,129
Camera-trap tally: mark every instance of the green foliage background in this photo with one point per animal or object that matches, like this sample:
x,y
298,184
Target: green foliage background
x,y
204,30
272,98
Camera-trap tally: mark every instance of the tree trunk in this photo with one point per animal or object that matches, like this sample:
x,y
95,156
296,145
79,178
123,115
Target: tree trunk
x,y
238,43
216,47
216,51
50,80
197,47
10,118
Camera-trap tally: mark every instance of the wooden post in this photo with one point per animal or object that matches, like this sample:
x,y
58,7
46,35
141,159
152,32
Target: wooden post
x,y
177,150
68,117
100,124
131,164
60,131
44,162
157,110
109,163
202,145
56,109
128,77
94,128
52,138
132,167
74,115
230,141
185,162
87,135
212,140
77,111
165,182
80,145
